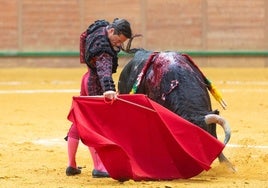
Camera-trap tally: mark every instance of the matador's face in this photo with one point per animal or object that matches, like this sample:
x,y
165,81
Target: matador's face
x,y
115,39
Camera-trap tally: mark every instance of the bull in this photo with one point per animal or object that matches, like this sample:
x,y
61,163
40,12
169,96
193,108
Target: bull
x,y
174,81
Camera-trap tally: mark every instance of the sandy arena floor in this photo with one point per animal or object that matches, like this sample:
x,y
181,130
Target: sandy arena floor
x,y
35,102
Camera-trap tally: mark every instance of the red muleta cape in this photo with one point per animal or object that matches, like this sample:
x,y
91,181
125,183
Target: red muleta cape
x,y
137,138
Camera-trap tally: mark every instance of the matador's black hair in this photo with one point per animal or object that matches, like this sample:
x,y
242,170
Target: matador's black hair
x,y
121,26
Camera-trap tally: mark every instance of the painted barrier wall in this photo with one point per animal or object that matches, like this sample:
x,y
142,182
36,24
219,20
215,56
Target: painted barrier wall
x,y
185,25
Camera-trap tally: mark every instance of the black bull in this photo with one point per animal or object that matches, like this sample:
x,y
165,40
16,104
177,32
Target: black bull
x,y
174,81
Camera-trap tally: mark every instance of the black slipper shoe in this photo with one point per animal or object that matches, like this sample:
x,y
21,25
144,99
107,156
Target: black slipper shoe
x,y
70,171
100,174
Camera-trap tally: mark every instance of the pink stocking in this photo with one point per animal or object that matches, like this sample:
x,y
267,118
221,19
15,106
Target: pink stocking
x,y
72,149
98,165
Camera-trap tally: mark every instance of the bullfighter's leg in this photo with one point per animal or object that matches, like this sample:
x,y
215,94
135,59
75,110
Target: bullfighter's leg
x,y
99,169
72,149
72,144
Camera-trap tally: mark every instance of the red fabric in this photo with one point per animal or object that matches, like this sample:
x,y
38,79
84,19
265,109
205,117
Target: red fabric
x,y
136,143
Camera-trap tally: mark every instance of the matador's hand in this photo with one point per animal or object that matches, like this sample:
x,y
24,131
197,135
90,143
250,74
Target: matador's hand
x,y
112,95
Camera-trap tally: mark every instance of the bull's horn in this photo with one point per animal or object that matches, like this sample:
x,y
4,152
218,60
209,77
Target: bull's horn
x,y
213,118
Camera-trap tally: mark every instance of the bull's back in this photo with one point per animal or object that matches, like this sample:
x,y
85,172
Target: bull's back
x,y
179,86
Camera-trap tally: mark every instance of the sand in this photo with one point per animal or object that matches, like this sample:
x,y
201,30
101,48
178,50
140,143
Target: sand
x,y
35,103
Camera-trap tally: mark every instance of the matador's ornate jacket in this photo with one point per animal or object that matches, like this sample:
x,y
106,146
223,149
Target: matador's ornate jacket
x,y
100,56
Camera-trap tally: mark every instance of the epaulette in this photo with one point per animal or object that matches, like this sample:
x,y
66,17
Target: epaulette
x,y
97,24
